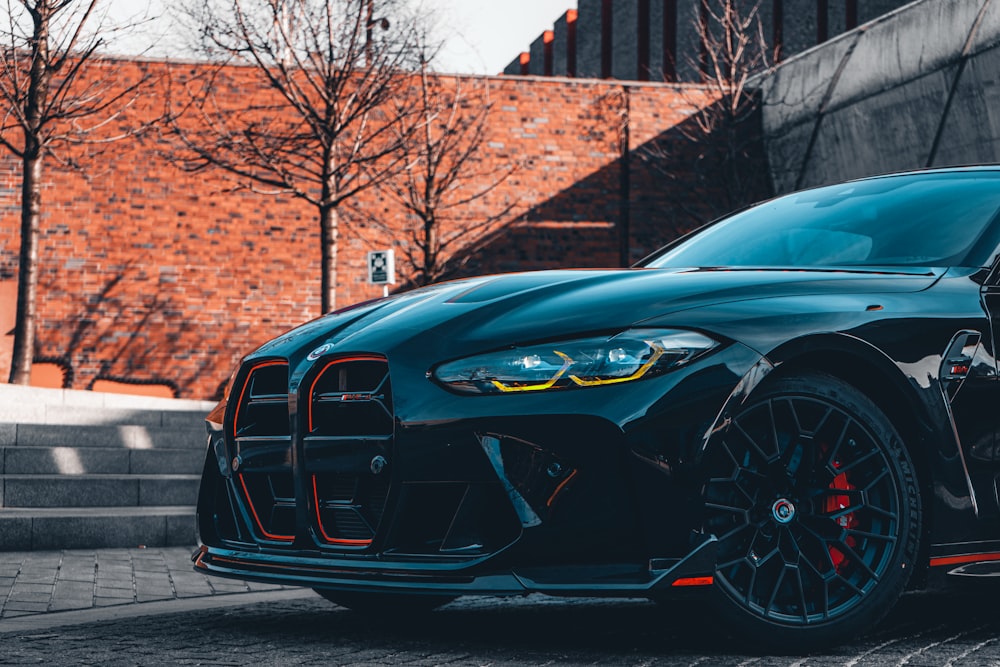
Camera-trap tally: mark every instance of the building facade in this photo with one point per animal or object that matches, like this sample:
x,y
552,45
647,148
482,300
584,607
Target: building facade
x,y
658,40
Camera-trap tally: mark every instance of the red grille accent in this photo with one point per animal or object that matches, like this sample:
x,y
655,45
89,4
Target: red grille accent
x,y
256,517
350,422
270,391
319,522
261,436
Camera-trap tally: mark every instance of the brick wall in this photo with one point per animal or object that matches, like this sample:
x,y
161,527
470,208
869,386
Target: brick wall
x,y
152,274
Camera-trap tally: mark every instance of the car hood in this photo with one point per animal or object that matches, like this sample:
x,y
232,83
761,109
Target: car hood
x,y
454,318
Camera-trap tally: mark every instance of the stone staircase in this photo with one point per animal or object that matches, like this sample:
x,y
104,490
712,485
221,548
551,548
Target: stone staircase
x,y
83,470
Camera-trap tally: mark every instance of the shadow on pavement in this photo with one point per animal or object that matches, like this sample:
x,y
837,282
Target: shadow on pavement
x,y
955,625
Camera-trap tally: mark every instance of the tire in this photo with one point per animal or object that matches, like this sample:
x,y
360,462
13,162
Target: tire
x,y
385,604
815,502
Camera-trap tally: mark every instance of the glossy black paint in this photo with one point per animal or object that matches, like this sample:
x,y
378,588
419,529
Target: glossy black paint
x,y
621,512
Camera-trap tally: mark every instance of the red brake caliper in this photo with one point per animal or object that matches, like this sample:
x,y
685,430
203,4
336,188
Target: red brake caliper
x,y
835,504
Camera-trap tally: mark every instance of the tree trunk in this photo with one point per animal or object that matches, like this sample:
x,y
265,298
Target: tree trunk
x,y
430,268
328,267
27,276
31,197
625,182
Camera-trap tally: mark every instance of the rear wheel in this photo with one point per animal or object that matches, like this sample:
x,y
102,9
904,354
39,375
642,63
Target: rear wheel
x,y
814,500
385,604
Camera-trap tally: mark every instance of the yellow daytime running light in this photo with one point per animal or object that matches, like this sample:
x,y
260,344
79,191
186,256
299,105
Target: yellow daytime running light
x,y
567,362
657,353
575,363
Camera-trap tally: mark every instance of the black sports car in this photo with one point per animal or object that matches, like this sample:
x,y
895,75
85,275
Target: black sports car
x,y
792,411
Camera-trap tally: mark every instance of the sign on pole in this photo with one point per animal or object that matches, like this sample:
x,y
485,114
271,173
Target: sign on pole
x,y
382,268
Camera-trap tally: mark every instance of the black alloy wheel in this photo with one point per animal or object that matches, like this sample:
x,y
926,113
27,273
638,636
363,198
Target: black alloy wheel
x,y
385,605
815,503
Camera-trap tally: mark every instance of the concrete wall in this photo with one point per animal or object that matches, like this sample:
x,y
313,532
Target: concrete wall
x,y
869,10
624,40
836,17
687,40
588,39
915,88
799,26
561,46
656,41
536,65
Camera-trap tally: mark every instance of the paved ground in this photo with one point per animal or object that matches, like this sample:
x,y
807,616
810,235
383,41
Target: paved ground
x,y
49,581
147,607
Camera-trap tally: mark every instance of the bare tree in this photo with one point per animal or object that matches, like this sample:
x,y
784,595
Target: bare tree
x,y
720,145
325,133
442,130
48,52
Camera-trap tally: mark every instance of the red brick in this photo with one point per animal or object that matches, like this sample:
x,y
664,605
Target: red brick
x,y
157,275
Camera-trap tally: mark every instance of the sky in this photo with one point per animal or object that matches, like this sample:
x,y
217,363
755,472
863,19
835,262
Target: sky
x,y
483,36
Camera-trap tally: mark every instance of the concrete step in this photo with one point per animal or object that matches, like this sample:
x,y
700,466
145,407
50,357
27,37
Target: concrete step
x,y
35,405
84,416
126,436
99,460
82,469
98,490
96,528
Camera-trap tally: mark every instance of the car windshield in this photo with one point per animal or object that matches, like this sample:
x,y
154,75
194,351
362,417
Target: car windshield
x,y
930,219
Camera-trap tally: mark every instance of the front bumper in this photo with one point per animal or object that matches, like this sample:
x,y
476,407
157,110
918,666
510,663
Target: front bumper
x,y
590,492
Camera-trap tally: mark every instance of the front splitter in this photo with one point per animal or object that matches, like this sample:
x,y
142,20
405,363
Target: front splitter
x,y
695,569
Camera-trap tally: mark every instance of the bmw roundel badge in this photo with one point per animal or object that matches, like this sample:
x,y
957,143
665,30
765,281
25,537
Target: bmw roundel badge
x,y
319,351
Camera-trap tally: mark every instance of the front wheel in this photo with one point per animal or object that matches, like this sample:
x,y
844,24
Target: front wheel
x,y
815,503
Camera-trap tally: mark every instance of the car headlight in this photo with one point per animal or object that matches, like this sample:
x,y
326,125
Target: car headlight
x,y
587,362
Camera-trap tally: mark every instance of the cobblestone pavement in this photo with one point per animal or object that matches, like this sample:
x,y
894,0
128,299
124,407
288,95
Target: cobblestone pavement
x,y
953,627
50,581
